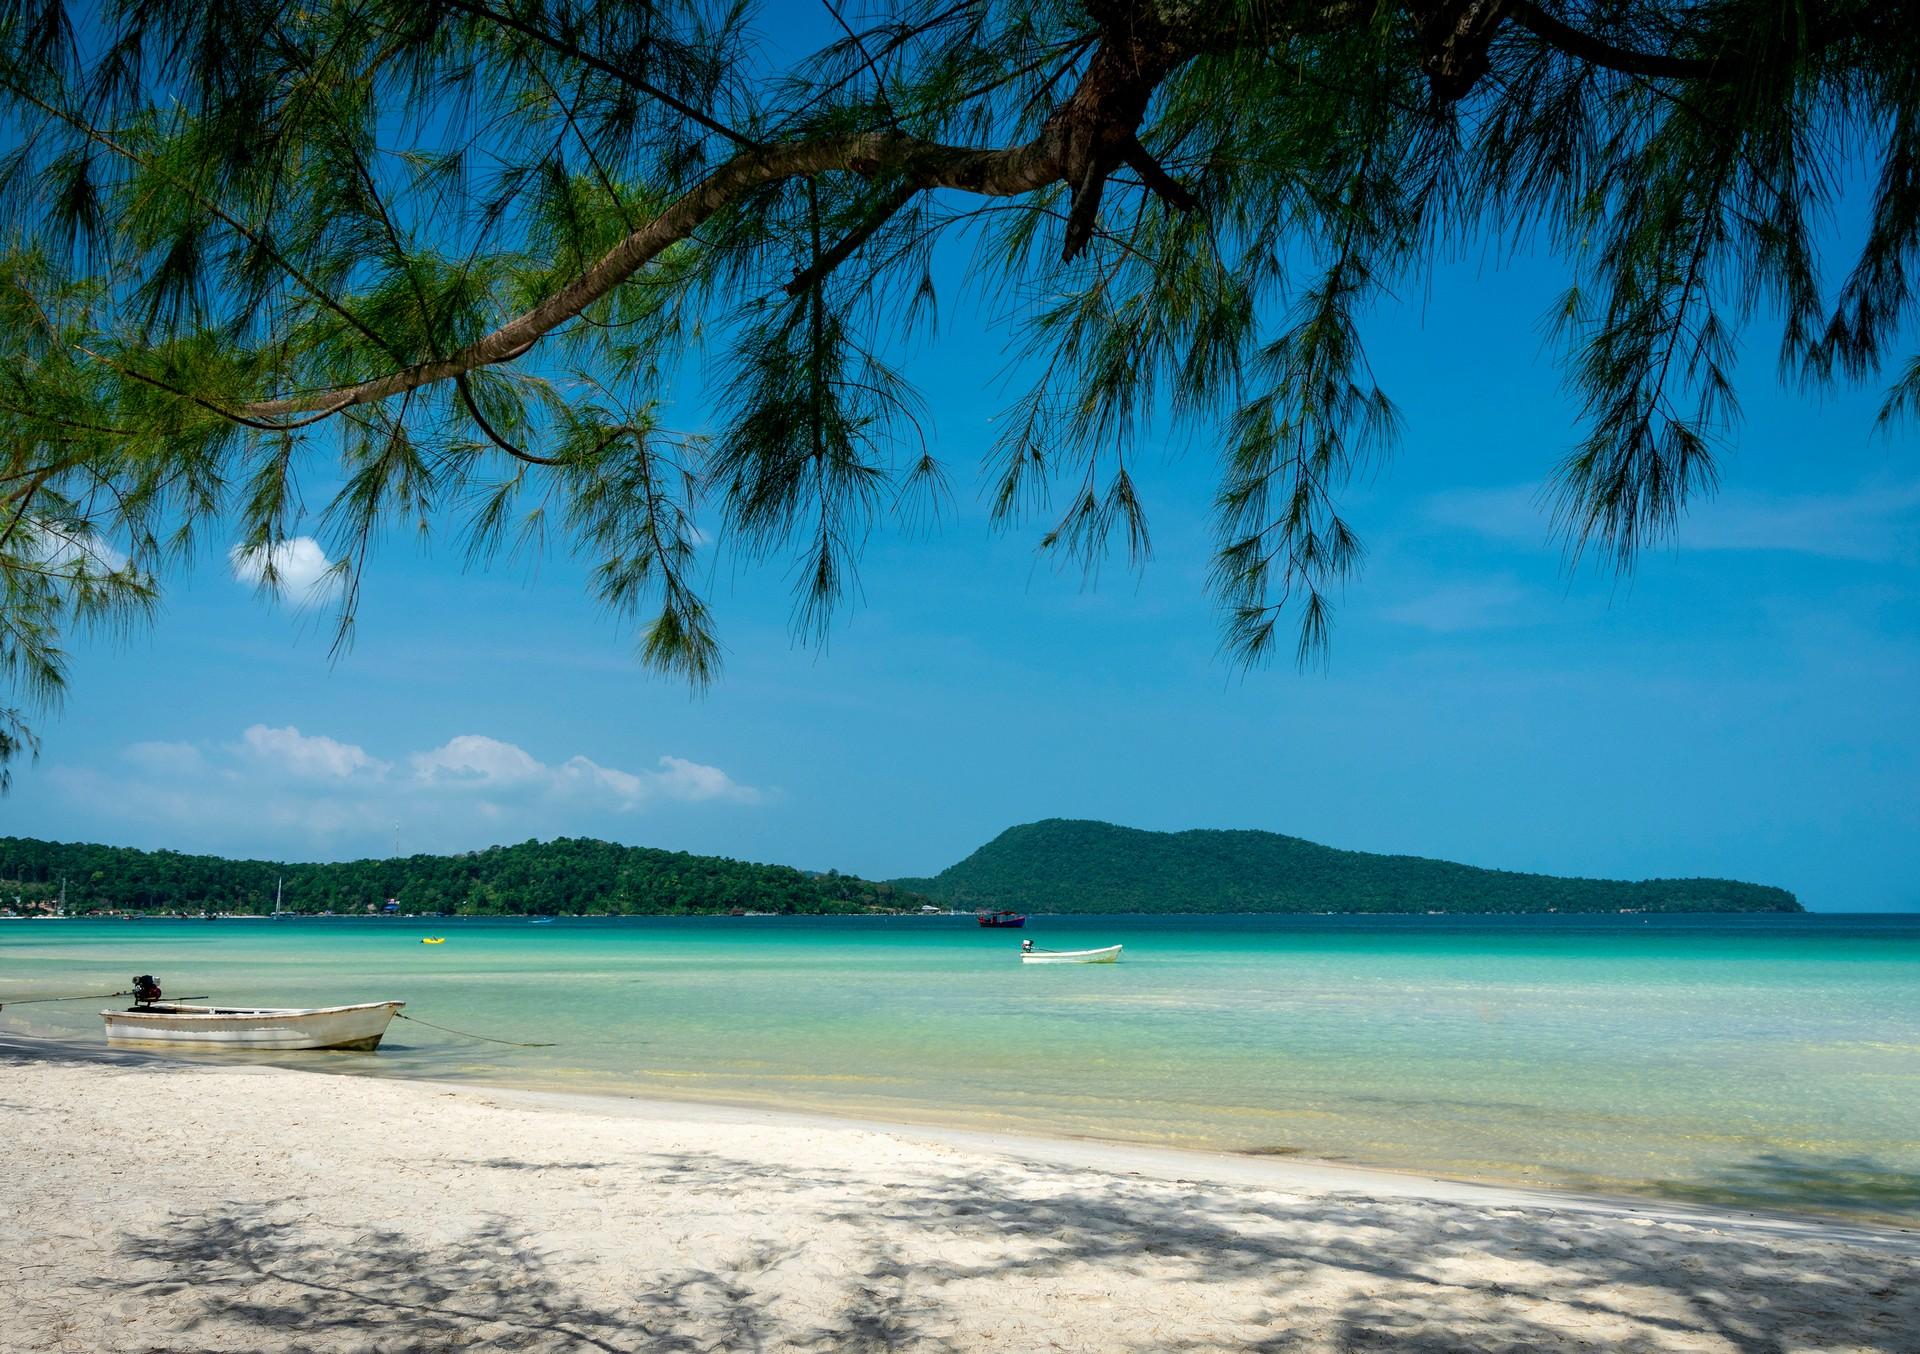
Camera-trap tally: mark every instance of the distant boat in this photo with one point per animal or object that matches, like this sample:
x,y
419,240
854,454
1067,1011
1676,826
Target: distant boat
x,y
1004,918
433,940
258,1027
541,921
1110,955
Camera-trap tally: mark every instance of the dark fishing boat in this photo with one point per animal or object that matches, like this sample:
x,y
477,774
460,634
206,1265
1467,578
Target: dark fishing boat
x,y
1001,918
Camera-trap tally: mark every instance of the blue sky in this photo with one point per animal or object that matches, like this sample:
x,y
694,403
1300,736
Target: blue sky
x,y
1743,705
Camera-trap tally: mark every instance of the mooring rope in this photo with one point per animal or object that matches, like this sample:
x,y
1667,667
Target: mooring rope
x,y
468,1034
85,996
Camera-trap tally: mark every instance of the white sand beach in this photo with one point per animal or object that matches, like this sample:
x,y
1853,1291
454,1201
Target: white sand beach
x,y
154,1206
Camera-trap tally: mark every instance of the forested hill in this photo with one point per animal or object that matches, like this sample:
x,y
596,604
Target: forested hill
x,y
1065,865
567,875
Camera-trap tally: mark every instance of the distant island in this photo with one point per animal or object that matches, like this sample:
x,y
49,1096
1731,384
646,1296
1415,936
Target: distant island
x,y
1057,865
1070,865
566,876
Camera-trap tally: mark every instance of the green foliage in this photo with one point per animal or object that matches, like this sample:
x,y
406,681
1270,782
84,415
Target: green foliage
x,y
445,265
1063,865
567,875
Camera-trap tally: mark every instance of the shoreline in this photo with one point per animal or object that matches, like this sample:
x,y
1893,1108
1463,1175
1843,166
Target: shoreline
x,y
1286,1170
177,1205
1215,1165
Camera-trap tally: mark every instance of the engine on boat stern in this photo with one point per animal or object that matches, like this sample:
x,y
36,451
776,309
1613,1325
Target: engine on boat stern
x,y
146,990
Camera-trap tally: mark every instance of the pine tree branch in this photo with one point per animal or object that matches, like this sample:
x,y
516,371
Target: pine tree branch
x,y
993,173
1599,52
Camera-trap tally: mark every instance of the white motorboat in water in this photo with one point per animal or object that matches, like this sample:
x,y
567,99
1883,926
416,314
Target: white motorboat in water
x,y
1109,955
264,1028
153,1023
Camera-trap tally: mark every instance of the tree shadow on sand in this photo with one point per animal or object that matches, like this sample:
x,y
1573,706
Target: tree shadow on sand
x,y
1757,1295
239,1273
1404,1274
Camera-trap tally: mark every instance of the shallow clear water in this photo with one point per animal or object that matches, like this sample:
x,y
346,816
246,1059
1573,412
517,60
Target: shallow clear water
x,y
1767,1060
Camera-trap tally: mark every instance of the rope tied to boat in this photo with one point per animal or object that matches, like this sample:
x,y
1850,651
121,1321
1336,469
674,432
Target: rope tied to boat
x,y
468,1034
84,996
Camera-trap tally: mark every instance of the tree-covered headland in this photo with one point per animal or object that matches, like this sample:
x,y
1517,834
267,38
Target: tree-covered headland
x,y
564,876
1063,865
357,269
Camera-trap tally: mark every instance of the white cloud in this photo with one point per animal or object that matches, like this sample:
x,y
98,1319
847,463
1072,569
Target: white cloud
x,y
474,761
682,779
1876,523
59,547
469,791
316,756
677,780
297,566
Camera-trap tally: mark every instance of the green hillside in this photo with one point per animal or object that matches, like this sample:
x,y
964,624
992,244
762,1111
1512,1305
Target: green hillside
x,y
1066,865
566,875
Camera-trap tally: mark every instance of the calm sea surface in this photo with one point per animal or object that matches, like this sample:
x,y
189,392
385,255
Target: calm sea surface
x,y
1770,1060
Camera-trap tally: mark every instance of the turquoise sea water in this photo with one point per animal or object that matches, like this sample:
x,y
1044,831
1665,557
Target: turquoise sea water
x,y
1765,1060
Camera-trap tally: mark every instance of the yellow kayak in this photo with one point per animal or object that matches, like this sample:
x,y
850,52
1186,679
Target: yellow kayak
x,y
433,940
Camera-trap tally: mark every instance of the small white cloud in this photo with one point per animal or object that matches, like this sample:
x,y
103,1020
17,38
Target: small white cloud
x,y
583,774
476,760
69,550
679,778
315,756
297,566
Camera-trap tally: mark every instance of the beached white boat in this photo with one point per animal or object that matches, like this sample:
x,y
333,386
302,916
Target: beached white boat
x,y
1109,955
169,1025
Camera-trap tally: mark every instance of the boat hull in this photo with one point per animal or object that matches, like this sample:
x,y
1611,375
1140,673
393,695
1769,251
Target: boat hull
x,y
1109,955
353,1028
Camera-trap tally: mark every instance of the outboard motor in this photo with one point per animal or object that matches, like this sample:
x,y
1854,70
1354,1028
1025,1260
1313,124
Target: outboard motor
x,y
145,990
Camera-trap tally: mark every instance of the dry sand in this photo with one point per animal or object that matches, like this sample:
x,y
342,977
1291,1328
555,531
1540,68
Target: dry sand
x,y
149,1206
